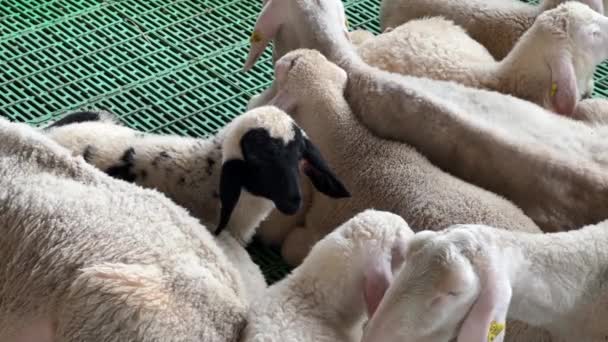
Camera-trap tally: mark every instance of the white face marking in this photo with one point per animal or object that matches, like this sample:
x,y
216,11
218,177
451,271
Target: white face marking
x,y
278,124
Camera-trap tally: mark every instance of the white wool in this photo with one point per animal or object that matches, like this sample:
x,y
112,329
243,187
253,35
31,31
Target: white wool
x,y
87,257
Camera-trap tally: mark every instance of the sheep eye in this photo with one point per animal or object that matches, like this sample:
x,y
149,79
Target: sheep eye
x,y
453,293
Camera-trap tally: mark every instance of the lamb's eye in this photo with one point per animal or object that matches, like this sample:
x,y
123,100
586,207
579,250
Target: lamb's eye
x,y
453,293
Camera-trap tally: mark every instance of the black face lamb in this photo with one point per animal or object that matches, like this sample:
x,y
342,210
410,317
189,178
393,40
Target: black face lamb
x,y
233,179
270,168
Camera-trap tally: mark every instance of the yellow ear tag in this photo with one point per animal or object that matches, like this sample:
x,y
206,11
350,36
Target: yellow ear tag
x,y
553,89
256,37
495,330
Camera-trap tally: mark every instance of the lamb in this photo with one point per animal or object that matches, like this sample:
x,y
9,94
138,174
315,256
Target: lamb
x,y
483,275
200,173
437,48
496,24
84,257
561,49
327,297
503,144
380,174
264,142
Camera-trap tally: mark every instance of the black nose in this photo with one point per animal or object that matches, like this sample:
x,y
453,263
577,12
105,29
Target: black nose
x,y
290,205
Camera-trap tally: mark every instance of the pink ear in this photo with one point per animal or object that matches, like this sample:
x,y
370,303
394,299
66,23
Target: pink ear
x,y
490,308
564,91
377,278
266,28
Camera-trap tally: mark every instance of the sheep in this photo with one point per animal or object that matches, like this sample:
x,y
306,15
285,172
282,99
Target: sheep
x,y
498,142
264,142
560,49
496,24
328,297
437,48
200,173
380,174
480,275
85,257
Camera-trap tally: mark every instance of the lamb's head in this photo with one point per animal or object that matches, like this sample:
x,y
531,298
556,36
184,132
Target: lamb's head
x,y
293,24
304,75
262,154
452,284
358,259
574,40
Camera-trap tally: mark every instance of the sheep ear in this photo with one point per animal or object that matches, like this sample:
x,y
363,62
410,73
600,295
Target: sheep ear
x,y
231,182
487,318
564,91
319,173
265,30
377,279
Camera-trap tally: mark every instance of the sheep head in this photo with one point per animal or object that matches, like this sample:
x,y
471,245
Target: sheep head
x,y
453,283
294,24
305,75
577,39
262,154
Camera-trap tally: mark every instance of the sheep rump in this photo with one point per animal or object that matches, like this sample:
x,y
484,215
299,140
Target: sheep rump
x,y
105,260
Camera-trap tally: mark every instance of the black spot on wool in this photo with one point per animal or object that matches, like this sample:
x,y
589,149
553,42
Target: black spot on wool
x,y
75,118
124,169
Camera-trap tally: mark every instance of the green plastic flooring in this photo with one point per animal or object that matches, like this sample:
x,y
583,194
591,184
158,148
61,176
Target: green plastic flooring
x,y
172,67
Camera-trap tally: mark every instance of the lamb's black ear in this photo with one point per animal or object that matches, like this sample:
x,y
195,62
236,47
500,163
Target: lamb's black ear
x,y
76,117
231,182
319,173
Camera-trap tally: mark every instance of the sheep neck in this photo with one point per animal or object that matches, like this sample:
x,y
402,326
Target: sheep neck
x,y
555,275
525,71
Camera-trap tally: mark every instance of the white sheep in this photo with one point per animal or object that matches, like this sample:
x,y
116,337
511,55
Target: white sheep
x,y
496,141
258,155
380,174
84,257
496,24
465,281
551,65
327,298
